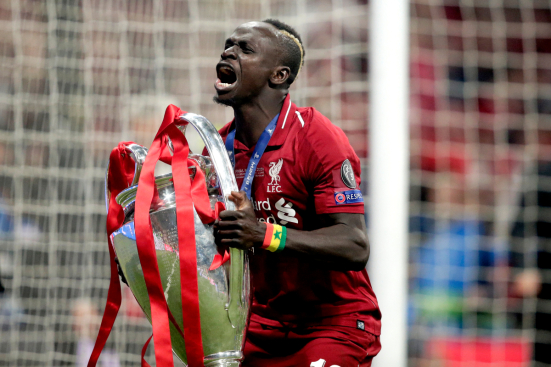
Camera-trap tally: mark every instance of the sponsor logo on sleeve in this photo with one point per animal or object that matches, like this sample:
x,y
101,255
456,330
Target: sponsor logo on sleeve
x,y
349,197
347,174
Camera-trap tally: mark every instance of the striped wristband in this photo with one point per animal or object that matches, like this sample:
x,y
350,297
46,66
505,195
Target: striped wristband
x,y
275,237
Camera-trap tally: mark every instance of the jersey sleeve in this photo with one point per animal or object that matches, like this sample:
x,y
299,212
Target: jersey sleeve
x,y
332,168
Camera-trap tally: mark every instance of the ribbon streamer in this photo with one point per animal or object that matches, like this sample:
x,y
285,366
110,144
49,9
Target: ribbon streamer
x,y
120,173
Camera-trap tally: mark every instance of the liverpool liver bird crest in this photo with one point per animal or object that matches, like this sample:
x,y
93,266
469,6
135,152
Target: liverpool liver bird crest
x,y
274,171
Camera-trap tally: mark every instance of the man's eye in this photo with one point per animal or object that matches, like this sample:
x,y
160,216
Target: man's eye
x,y
245,48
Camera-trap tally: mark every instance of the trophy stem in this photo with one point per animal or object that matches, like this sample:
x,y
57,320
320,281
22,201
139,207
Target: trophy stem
x,y
230,358
223,363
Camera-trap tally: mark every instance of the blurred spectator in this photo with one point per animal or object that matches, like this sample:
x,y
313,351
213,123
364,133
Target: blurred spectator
x,y
86,322
533,278
449,264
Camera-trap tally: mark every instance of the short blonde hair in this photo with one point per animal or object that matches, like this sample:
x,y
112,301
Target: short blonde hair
x,y
292,46
299,44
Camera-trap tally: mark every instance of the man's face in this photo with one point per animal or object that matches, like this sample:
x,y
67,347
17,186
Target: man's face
x,y
249,57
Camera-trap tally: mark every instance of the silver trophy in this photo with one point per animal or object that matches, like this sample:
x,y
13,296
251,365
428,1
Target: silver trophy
x,y
224,293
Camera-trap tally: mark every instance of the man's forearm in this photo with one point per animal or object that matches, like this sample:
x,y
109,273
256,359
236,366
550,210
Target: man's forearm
x,y
340,242
340,246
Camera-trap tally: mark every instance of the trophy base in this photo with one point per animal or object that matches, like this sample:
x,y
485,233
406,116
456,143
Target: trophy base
x,y
227,363
230,358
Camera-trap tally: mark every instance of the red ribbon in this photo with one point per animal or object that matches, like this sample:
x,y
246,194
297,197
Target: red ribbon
x,y
207,215
223,254
144,349
203,209
119,176
188,259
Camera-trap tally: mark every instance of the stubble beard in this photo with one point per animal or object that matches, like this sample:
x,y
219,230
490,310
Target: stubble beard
x,y
232,102
224,102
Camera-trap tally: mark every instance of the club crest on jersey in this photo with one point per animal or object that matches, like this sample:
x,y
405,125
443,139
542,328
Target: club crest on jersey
x,y
347,174
275,168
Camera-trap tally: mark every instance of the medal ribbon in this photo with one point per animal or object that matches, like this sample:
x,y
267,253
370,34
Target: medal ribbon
x,y
257,154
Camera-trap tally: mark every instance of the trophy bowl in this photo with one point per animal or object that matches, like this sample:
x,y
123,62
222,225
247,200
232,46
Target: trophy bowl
x,y
224,293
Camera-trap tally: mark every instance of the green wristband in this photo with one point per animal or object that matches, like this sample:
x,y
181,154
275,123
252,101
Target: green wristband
x,y
283,239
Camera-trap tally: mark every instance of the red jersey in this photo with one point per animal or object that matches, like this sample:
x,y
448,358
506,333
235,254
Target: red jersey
x,y
308,168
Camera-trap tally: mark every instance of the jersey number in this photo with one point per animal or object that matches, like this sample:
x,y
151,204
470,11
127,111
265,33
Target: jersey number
x,y
321,363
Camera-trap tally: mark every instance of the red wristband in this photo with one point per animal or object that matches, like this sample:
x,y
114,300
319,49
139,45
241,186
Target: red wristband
x,y
268,235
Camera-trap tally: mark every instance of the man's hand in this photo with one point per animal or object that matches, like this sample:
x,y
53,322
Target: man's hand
x,y
239,228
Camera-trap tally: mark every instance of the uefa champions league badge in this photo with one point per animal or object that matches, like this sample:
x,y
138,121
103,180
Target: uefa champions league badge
x,y
349,197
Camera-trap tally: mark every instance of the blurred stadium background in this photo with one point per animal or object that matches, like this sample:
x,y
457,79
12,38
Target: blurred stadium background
x,y
77,77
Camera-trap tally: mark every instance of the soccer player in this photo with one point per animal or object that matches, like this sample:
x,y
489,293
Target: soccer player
x,y
300,211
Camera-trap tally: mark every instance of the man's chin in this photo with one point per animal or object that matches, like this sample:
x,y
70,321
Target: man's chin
x,y
230,102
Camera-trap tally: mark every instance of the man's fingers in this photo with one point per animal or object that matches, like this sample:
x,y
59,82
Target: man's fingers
x,y
230,214
228,224
232,242
240,200
229,233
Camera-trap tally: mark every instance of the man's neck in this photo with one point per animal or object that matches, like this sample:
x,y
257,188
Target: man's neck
x,y
252,118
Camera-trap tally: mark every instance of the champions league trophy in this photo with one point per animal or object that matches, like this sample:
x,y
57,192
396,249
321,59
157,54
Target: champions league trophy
x,y
224,294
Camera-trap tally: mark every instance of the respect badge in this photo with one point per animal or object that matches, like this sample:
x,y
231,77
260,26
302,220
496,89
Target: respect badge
x,y
349,197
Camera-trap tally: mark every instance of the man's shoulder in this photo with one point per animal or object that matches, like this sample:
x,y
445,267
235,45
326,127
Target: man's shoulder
x,y
310,115
225,130
319,127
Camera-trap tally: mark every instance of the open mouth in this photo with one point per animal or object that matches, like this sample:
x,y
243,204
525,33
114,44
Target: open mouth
x,y
226,78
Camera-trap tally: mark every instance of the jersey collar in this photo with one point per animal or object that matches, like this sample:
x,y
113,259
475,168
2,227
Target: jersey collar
x,y
286,119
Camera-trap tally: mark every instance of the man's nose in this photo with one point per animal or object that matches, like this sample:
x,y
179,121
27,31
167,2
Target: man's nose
x,y
228,53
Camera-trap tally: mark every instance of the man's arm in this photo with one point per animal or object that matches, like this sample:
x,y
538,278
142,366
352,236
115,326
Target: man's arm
x,y
340,242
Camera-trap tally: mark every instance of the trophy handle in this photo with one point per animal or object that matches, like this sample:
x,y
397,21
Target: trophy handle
x,y
137,153
226,178
217,152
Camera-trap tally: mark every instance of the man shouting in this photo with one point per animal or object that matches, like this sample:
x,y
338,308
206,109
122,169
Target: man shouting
x,y
300,211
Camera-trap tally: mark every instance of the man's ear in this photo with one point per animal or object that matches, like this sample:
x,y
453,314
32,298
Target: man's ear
x,y
280,75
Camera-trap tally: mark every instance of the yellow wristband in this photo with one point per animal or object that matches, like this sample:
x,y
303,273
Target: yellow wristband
x,y
279,237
